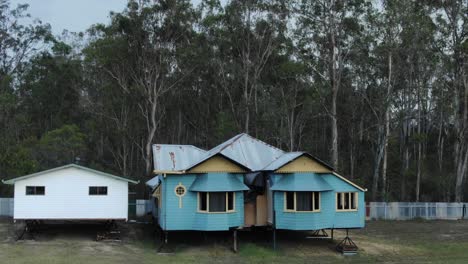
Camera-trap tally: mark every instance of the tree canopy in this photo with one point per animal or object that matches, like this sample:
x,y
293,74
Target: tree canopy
x,y
377,89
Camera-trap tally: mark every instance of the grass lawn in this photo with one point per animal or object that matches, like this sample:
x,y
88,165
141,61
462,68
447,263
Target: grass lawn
x,y
380,241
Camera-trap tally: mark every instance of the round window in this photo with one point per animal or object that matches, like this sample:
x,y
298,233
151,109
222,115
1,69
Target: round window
x,y
180,190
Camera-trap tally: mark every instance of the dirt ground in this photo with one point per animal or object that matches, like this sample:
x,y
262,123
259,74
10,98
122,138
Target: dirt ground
x,y
380,241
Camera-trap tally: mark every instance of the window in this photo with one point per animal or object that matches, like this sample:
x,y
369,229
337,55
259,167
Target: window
x,y
202,201
230,201
216,202
302,201
35,190
180,190
346,201
97,190
290,201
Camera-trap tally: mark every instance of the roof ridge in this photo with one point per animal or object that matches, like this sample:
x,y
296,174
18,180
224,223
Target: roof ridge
x,y
263,142
175,145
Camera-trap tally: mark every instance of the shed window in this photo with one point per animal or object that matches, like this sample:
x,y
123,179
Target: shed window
x,y
35,190
346,201
302,201
97,190
216,202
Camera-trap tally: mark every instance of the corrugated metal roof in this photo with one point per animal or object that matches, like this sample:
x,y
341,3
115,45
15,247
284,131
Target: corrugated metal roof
x,y
153,182
248,151
175,157
281,161
243,149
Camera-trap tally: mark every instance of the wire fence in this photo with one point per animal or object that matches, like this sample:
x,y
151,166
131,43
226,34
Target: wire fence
x,y
409,211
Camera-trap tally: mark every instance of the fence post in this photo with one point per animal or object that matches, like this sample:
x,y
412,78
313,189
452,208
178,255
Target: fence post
x,y
463,211
385,211
427,211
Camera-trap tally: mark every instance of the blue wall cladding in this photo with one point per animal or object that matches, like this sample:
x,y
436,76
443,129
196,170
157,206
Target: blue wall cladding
x,y
187,217
328,217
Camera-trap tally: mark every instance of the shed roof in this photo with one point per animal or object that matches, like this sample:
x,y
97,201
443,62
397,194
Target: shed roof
x,y
12,181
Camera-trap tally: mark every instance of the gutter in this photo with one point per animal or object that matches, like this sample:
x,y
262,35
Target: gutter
x,y
7,182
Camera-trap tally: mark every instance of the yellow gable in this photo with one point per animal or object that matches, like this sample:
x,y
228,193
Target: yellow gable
x,y
303,164
217,164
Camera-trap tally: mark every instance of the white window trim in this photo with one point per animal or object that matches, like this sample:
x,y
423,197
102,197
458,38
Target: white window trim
x,y
356,203
208,204
180,185
295,204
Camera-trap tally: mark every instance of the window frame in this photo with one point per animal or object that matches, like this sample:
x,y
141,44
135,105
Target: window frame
x,y
295,203
180,186
350,199
207,211
97,191
35,191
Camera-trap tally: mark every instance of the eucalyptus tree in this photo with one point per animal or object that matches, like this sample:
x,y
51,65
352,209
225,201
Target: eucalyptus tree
x,y
141,52
453,26
327,30
19,42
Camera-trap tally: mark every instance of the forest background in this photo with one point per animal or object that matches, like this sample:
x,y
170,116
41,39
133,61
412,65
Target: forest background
x,y
377,89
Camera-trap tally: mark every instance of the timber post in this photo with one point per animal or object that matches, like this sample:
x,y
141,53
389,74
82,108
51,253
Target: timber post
x,y
235,247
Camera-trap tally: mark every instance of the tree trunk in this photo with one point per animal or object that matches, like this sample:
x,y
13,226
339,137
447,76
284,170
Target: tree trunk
x,y
334,83
461,148
377,161
387,126
419,152
151,133
405,155
334,88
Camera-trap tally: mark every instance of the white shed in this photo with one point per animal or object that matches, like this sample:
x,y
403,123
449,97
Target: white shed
x,y
70,192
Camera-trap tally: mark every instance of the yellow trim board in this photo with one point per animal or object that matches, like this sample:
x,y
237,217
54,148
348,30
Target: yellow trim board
x,y
217,164
167,172
303,164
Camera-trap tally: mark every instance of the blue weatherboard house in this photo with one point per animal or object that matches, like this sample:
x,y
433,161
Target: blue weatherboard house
x,y
245,182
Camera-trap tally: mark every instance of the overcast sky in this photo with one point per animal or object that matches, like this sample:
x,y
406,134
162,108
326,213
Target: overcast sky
x,y
73,15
